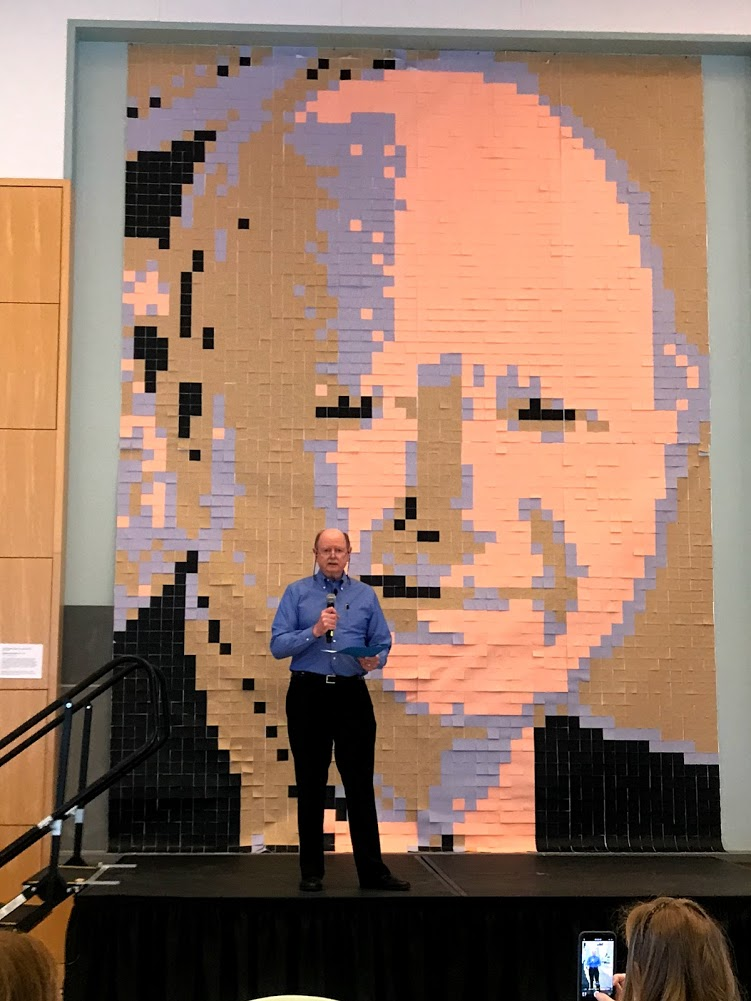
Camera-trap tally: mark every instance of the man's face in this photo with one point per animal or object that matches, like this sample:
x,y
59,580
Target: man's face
x,y
332,553
521,368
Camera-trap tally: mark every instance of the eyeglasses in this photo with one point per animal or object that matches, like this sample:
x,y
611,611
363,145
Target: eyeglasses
x,y
332,552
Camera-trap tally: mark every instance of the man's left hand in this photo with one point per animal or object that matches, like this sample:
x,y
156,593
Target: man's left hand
x,y
368,663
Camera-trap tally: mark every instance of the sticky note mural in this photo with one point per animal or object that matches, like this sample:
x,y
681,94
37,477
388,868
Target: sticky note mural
x,y
454,304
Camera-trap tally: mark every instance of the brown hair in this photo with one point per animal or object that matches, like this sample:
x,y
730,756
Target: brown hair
x,y
677,952
27,969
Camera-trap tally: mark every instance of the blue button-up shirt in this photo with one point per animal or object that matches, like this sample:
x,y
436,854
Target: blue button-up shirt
x,y
361,622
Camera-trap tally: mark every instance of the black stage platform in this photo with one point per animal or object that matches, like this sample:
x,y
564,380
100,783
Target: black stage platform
x,y
235,927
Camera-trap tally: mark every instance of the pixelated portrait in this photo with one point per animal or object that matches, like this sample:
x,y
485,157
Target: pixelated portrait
x,y
454,304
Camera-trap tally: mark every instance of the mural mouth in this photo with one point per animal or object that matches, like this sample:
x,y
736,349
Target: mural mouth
x,y
553,591
395,586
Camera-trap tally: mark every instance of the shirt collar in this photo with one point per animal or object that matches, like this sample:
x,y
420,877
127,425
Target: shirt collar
x,y
327,583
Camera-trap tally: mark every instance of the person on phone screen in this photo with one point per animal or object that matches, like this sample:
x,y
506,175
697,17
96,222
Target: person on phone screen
x,y
329,706
677,951
593,970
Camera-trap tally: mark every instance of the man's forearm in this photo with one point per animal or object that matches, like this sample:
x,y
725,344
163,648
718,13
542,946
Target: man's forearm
x,y
288,644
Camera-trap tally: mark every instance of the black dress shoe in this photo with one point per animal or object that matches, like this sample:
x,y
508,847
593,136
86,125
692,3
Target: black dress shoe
x,y
386,882
311,884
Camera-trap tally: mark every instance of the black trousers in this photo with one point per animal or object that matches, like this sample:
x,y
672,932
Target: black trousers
x,y
320,717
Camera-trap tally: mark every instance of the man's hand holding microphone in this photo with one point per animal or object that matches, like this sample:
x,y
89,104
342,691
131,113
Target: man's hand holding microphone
x,y
327,620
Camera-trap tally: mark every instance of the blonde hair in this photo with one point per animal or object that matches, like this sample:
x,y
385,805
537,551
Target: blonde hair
x,y
27,969
345,534
677,952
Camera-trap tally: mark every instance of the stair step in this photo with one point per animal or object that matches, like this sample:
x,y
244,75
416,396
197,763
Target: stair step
x,y
70,873
25,917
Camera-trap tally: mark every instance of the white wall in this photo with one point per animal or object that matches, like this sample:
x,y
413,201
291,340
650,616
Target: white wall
x,y
36,69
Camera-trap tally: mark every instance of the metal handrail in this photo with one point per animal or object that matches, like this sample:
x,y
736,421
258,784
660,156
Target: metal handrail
x,y
158,711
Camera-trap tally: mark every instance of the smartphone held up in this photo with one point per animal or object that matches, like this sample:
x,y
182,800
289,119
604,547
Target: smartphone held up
x,y
596,960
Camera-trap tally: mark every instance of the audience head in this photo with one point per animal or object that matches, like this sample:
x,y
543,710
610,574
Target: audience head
x,y
27,969
677,952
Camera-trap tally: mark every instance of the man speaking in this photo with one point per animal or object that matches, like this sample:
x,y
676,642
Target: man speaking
x,y
335,632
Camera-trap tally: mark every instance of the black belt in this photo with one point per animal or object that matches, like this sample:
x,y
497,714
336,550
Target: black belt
x,y
326,679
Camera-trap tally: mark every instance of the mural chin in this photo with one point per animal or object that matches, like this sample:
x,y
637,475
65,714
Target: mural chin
x,y
498,665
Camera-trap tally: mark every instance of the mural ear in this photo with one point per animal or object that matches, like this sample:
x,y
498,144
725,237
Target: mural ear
x,y
682,379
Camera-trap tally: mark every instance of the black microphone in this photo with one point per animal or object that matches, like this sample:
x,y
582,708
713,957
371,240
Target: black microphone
x,y
330,602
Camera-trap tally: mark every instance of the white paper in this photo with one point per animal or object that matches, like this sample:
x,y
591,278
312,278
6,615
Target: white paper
x,y
21,660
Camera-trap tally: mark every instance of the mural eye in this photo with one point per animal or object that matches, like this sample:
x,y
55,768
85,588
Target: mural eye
x,y
547,410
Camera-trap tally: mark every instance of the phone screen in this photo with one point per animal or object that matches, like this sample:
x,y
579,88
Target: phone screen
x,y
597,958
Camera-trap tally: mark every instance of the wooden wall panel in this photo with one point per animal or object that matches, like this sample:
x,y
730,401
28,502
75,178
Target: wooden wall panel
x,y
34,303
52,932
26,608
23,798
20,868
30,241
28,365
27,493
61,438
